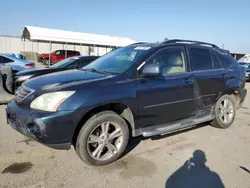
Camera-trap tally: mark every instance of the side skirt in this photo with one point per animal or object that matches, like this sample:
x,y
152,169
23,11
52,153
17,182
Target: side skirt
x,y
173,126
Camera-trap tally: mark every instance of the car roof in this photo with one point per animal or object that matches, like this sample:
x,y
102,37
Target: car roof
x,y
180,42
88,56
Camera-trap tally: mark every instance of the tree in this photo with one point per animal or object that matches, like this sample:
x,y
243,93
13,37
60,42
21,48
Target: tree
x,y
166,39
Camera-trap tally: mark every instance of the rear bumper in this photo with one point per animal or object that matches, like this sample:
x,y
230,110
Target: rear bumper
x,y
242,93
53,129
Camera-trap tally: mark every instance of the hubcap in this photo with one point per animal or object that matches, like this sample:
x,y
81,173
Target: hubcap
x,y
226,110
105,140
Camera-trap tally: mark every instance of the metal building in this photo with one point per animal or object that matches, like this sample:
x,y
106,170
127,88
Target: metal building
x,y
36,40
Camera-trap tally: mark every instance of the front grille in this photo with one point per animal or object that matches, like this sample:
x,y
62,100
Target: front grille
x,y
22,93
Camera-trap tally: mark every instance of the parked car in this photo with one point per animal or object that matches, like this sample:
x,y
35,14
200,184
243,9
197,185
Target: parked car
x,y
57,56
15,63
142,89
247,68
245,58
66,64
17,55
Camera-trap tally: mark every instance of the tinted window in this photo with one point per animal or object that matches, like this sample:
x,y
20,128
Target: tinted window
x,y
200,59
216,61
84,62
5,60
226,60
62,52
169,60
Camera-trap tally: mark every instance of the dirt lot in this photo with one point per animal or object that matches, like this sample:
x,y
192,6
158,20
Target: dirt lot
x,y
201,157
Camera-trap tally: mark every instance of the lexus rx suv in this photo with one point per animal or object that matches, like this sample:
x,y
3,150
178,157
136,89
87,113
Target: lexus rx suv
x,y
142,89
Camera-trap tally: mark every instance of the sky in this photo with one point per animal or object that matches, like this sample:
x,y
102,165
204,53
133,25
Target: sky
x,y
222,22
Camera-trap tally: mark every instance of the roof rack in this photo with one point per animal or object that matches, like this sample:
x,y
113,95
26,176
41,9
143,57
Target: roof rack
x,y
190,41
137,43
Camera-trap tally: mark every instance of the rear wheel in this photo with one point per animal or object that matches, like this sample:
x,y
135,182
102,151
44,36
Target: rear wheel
x,y
224,111
102,139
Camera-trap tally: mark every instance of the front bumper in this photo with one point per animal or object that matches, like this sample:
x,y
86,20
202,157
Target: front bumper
x,y
53,129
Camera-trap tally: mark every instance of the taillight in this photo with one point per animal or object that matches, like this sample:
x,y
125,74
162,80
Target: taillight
x,y
29,64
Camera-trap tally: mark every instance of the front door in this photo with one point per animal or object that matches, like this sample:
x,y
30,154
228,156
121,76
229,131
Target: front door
x,y
169,97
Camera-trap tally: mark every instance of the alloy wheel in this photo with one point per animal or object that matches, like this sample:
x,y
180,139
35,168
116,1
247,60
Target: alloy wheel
x,y
105,140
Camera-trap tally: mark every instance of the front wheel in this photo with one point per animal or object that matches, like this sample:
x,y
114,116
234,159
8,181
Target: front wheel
x,y
224,111
102,139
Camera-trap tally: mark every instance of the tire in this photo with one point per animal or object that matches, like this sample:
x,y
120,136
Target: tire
x,y
219,111
94,128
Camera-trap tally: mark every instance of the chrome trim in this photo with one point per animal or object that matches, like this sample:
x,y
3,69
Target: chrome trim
x,y
162,104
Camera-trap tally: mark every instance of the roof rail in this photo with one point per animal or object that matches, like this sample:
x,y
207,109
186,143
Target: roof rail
x,y
190,41
137,43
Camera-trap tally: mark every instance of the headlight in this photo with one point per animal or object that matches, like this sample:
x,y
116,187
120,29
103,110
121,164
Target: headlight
x,y
22,78
50,101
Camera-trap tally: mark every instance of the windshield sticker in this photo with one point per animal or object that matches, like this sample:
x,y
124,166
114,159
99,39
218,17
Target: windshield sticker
x,y
142,48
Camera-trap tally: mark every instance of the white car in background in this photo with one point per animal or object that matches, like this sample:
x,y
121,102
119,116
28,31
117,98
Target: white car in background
x,y
245,59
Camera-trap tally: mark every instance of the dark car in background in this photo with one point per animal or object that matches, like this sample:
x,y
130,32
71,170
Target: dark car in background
x,y
247,68
143,89
57,56
76,62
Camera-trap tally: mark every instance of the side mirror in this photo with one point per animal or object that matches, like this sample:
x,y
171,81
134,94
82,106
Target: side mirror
x,y
151,70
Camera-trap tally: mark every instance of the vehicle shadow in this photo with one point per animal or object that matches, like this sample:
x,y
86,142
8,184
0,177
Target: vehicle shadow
x,y
194,174
134,141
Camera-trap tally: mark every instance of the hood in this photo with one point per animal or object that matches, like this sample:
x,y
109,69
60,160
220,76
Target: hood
x,y
44,55
64,79
40,71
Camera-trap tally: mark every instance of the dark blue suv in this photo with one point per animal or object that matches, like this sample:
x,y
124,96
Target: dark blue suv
x,y
142,89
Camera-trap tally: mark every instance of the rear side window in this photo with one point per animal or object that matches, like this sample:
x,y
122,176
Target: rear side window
x,y
216,61
5,60
84,62
226,60
200,59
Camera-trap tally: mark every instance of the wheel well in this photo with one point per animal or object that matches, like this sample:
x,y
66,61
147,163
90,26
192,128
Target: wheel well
x,y
119,108
236,97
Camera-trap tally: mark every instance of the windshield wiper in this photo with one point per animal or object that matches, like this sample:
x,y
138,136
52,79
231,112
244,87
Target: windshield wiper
x,y
95,70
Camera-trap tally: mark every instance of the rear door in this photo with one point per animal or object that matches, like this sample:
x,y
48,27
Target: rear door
x,y
208,73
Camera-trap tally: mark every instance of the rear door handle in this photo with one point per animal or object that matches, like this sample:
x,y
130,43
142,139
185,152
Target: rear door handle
x,y
188,81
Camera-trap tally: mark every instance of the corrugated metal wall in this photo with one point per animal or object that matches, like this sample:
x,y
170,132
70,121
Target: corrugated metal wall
x,y
10,44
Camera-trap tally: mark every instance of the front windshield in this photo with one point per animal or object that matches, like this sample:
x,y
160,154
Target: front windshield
x,y
64,63
120,60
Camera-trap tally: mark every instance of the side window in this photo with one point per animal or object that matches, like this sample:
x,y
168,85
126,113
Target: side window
x,y
226,60
200,59
216,61
5,60
58,52
62,52
84,62
169,60
73,65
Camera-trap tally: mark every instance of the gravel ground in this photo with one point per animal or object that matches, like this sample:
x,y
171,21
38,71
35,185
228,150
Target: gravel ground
x,y
200,157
